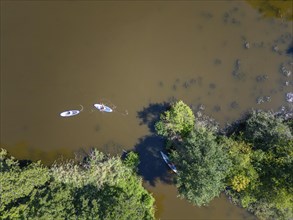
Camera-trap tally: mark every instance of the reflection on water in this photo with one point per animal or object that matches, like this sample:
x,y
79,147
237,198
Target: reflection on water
x,y
220,57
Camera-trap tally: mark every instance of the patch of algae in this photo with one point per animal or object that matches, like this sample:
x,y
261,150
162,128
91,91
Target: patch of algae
x,y
274,8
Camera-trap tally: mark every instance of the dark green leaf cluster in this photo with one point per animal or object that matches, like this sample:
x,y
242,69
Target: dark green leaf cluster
x,y
265,131
202,165
269,165
98,188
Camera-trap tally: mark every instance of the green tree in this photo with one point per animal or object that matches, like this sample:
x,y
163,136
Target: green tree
x,y
131,160
268,165
240,182
264,130
276,178
19,185
178,121
203,166
107,185
242,173
100,187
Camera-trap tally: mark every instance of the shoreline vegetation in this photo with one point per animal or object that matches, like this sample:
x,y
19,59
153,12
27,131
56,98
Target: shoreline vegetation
x,y
96,187
251,161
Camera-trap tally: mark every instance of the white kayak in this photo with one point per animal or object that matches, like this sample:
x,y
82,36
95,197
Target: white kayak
x,y
69,113
166,159
103,108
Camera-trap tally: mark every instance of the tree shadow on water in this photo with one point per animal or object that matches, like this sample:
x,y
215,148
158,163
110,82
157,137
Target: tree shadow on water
x,y
152,166
151,114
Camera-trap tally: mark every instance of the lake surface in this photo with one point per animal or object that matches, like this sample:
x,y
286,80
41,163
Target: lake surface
x,y
222,57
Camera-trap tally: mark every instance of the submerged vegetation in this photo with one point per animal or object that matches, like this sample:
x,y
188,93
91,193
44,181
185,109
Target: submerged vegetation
x,y
252,163
273,8
100,187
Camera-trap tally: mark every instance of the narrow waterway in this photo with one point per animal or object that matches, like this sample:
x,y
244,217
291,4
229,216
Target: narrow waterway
x,y
222,57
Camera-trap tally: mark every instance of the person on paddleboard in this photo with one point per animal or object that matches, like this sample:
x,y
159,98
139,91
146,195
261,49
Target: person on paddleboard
x,y
102,107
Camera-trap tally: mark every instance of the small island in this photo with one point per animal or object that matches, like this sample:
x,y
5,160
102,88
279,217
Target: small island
x,y
250,160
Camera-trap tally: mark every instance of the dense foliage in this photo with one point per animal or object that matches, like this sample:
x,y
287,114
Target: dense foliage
x,y
178,121
203,166
98,188
265,131
270,192
201,161
131,160
253,163
242,173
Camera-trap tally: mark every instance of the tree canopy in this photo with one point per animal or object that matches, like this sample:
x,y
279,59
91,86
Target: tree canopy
x,y
202,165
179,120
200,159
268,166
265,131
253,163
100,187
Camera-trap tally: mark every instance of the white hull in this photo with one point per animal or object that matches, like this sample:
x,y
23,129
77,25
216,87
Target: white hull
x,y
103,108
69,113
166,159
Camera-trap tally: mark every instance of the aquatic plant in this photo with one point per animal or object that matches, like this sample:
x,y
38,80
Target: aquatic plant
x,y
271,8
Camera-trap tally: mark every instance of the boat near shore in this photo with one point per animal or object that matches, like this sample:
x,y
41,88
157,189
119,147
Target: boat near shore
x,y
166,159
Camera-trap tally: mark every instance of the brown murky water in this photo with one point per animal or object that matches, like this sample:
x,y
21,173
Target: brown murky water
x,y
132,55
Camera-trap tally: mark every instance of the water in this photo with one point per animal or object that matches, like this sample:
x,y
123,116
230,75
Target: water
x,y
56,56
